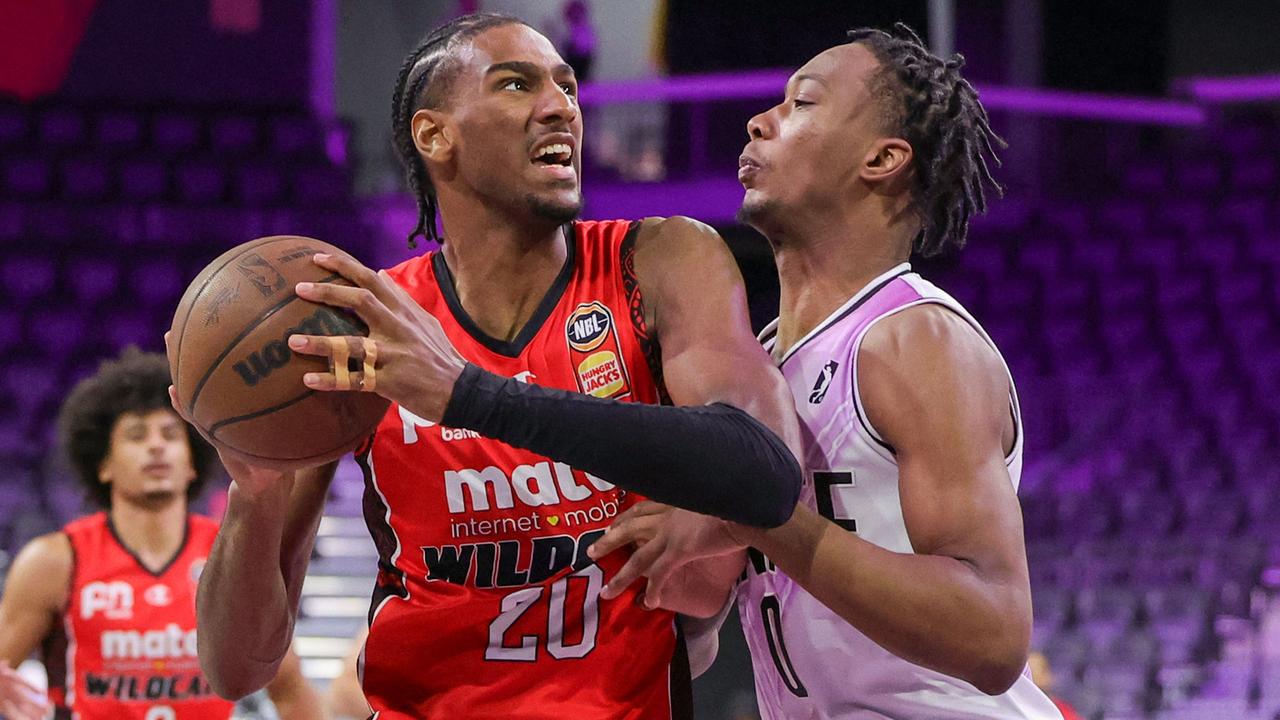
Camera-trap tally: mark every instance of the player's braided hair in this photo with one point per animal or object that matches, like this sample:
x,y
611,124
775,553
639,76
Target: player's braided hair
x,y
135,382
422,83
934,108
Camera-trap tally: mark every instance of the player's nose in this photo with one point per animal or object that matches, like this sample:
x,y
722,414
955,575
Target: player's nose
x,y
760,126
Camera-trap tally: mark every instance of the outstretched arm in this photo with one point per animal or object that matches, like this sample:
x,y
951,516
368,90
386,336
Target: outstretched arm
x,y
249,591
961,604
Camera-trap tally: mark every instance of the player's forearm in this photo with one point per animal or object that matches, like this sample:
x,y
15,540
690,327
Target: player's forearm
x,y
252,582
935,611
242,605
713,459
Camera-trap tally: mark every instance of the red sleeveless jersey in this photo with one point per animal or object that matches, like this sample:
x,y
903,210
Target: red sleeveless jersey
x,y
486,604
127,644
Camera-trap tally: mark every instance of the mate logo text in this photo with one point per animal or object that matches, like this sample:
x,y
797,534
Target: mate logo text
x,y
596,353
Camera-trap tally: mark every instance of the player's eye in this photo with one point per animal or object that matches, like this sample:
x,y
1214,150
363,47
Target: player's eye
x,y
569,89
798,103
515,84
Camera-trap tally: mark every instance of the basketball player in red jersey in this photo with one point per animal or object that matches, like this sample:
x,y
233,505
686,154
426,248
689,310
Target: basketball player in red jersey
x,y
110,599
526,361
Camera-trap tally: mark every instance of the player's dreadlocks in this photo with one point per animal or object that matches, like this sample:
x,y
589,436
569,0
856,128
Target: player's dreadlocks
x,y
932,107
423,82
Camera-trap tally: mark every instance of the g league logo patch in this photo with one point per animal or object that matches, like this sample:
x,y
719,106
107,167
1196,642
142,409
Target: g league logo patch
x,y
819,391
595,352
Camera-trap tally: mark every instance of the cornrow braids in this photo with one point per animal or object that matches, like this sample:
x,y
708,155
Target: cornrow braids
x,y
423,83
934,108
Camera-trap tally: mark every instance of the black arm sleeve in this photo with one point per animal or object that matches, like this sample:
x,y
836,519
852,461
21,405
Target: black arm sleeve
x,y
713,459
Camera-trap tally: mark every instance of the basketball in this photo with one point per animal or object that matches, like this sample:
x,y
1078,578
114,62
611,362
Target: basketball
x,y
233,371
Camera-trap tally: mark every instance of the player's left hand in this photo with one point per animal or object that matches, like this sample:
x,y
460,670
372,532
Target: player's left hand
x,y
667,541
19,699
415,365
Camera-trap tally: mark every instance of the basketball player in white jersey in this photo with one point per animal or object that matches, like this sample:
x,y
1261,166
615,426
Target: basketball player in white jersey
x,y
899,588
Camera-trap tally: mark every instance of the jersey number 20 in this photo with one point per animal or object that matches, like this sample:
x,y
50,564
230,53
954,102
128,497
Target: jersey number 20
x,y
518,603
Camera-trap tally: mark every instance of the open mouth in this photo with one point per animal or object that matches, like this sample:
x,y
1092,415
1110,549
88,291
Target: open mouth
x,y
553,154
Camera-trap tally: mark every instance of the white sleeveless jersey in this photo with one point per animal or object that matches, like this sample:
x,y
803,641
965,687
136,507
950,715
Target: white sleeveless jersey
x,y
808,662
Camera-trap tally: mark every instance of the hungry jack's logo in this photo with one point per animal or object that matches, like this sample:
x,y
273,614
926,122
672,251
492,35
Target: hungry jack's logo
x,y
596,353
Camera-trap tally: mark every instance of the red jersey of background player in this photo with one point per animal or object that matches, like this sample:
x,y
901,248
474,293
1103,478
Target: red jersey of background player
x,y
486,604
126,647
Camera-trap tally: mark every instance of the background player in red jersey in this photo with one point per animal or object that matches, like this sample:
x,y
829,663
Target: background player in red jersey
x,y
487,122
110,598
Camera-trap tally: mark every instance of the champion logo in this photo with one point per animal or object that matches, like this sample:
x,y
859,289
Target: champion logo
x,y
824,381
158,595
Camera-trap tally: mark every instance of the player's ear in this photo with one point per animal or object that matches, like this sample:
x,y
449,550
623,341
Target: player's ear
x,y
432,136
887,160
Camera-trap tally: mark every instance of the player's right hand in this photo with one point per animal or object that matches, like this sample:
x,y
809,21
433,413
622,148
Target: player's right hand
x,y
667,541
19,699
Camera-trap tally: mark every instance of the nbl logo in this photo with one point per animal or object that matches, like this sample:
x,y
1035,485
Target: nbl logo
x,y
595,351
588,327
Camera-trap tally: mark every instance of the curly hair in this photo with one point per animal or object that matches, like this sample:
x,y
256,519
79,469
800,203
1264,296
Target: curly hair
x,y
928,103
423,82
135,382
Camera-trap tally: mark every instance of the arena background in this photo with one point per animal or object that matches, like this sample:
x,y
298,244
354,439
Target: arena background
x,y
1131,275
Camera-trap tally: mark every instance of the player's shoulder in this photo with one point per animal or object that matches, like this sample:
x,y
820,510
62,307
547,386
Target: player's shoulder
x,y
86,525
676,229
48,557
926,334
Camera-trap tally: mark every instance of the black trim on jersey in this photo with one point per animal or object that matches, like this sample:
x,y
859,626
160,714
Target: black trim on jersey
x,y
509,348
390,581
650,346
866,424
186,535
791,352
680,686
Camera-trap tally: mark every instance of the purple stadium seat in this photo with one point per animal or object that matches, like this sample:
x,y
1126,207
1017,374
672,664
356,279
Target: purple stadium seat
x,y
28,277
119,131
86,179
293,136
58,332
13,125
93,280
10,327
1198,177
175,135
122,331
260,185
1122,218
201,183
62,127
30,384
143,180
234,135
319,185
1146,178
28,177
158,284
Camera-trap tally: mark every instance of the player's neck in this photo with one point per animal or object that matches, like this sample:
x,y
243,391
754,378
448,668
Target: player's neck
x,y
823,264
151,530
502,269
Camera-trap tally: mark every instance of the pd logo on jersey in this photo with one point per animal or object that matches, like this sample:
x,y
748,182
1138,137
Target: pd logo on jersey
x,y
596,352
113,599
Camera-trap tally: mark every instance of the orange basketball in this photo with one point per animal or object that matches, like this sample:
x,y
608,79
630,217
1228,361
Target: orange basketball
x,y
234,373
